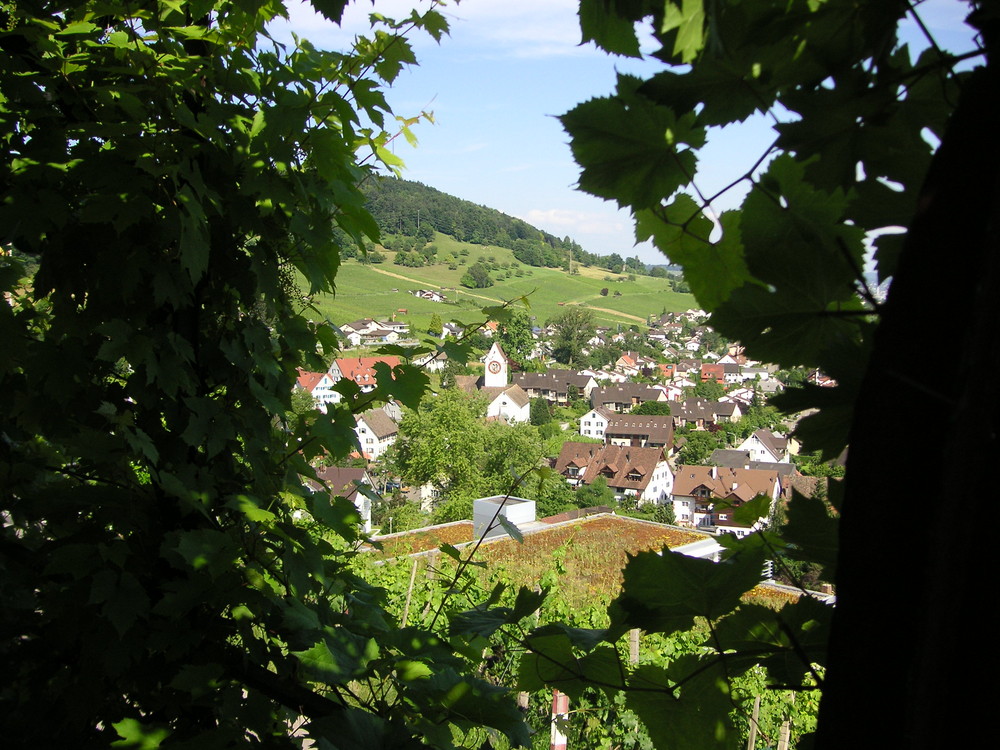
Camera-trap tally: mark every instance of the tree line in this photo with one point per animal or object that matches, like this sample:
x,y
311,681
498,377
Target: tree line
x,y
414,210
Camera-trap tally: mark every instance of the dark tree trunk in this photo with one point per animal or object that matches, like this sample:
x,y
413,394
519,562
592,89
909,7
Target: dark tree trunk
x,y
910,646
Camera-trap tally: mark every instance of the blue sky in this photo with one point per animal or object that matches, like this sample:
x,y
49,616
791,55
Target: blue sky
x,y
495,86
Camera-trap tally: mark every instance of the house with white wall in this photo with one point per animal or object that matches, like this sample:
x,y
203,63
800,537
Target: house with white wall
x,y
708,495
765,445
319,385
376,432
642,473
594,422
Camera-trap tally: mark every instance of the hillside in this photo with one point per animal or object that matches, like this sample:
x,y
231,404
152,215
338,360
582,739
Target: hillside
x,y
380,290
432,239
413,210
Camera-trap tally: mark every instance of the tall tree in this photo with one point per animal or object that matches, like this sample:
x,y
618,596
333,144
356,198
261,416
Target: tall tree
x,y
167,172
573,329
443,444
514,335
477,277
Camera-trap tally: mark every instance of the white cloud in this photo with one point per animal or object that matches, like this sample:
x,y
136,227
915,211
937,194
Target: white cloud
x,y
490,28
582,222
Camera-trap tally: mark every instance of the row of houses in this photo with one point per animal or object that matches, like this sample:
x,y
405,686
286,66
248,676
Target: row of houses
x,y
700,496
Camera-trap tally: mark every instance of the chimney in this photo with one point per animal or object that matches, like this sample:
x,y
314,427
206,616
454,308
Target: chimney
x,y
715,472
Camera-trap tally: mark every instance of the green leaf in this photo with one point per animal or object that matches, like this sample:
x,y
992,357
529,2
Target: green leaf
x,y
681,231
410,670
208,549
331,10
511,529
666,592
685,24
138,736
723,90
357,729
786,642
814,532
338,657
198,679
751,512
631,150
549,660
480,622
791,327
435,24
607,28
827,427
686,706
528,602
406,383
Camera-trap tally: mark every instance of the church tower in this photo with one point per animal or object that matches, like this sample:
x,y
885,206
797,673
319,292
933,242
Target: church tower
x,y
496,368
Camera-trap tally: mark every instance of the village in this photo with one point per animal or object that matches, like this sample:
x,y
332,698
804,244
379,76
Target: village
x,y
666,435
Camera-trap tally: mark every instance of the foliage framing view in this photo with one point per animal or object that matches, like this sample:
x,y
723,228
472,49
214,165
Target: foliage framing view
x,y
853,117
166,169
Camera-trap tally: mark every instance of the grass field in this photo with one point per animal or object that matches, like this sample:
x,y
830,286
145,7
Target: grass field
x,y
379,291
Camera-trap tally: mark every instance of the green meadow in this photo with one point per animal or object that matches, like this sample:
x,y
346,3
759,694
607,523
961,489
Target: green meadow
x,y
382,291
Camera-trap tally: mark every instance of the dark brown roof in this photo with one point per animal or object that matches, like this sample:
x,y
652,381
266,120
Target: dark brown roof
x,y
626,393
342,481
614,462
553,379
740,484
658,430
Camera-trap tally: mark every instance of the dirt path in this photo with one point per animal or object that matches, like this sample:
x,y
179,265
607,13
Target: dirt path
x,y
436,286
500,301
610,311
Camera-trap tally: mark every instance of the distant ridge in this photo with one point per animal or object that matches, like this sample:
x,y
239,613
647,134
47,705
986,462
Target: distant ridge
x,y
412,209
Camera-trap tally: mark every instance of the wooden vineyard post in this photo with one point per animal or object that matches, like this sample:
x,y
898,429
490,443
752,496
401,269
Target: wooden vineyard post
x,y
784,735
754,717
560,709
409,593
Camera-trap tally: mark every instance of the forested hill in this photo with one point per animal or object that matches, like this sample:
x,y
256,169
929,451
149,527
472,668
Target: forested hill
x,y
412,209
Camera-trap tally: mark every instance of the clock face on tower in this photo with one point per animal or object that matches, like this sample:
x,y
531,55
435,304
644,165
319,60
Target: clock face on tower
x,y
494,367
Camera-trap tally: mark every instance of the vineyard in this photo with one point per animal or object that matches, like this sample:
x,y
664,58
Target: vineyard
x,y
430,573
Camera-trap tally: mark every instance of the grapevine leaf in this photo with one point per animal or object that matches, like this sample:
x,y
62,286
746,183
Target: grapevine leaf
x,y
607,28
332,10
665,593
686,706
511,528
685,24
749,513
338,657
355,729
791,328
813,531
681,232
528,602
548,660
480,622
631,150
138,736
826,429
777,640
